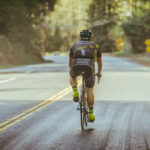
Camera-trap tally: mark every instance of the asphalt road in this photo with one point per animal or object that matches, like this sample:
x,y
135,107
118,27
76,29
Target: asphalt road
x,y
35,116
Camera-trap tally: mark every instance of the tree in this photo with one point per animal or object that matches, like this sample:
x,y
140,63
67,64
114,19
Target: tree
x,y
104,14
17,21
65,23
137,27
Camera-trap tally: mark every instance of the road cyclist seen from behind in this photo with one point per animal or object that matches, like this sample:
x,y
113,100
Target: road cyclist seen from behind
x,y
82,57
83,106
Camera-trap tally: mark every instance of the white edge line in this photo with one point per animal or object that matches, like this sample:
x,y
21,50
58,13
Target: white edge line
x,y
7,80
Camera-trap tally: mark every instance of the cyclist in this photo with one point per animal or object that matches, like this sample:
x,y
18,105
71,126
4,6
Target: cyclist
x,y
81,58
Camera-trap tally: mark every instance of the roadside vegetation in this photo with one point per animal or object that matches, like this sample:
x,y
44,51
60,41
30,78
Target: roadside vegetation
x,y
31,29
122,28
141,58
21,29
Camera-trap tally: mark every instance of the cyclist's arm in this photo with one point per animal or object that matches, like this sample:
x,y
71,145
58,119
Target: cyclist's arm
x,y
70,58
99,60
70,61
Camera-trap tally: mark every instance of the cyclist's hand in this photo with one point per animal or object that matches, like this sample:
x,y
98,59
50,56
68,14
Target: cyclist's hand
x,y
99,74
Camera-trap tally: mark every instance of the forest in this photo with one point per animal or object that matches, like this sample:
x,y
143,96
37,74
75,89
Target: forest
x,y
30,28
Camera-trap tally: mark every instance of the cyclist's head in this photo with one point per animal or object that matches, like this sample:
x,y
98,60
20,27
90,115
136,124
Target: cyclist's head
x,y
85,35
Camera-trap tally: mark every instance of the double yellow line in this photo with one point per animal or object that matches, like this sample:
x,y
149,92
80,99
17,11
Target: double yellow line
x,y
8,123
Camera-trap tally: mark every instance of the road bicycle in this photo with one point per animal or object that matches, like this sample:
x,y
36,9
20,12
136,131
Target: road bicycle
x,y
83,105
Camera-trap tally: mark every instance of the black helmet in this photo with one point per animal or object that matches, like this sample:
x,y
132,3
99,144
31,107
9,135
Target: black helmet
x,y
85,34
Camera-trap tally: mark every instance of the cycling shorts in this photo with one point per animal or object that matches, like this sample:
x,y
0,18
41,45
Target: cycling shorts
x,y
89,79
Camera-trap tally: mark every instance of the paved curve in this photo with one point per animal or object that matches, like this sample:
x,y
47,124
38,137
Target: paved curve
x,y
122,109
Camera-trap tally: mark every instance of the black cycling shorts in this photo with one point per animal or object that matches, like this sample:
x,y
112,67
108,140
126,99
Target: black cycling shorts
x,y
89,82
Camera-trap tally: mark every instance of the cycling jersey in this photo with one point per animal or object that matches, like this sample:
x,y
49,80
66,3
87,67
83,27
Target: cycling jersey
x,y
85,49
81,52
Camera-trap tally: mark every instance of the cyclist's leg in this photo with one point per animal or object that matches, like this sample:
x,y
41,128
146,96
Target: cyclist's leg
x,y
89,83
73,82
90,96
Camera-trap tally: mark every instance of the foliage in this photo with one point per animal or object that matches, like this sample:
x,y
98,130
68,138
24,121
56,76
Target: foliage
x,y
65,23
17,20
137,27
29,27
105,13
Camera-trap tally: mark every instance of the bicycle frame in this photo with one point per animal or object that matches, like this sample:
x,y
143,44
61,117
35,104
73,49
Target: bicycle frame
x,y
83,107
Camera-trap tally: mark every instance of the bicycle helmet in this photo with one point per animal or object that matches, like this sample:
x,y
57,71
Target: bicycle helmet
x,y
85,34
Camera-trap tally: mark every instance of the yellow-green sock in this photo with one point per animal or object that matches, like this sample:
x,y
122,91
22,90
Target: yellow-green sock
x,y
91,110
74,88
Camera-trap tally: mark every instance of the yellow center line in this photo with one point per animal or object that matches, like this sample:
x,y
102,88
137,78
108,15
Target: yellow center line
x,y
8,123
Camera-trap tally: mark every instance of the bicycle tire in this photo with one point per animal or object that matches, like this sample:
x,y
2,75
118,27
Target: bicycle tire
x,y
86,110
82,115
86,117
83,106
83,109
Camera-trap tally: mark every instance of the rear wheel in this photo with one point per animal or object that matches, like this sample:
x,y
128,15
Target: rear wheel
x,y
86,119
82,115
83,109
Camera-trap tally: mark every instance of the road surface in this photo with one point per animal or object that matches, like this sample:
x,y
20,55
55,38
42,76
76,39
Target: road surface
x,y
37,112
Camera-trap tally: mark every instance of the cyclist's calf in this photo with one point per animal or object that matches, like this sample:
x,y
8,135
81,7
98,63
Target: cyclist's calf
x,y
90,97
